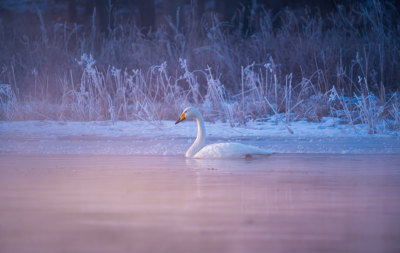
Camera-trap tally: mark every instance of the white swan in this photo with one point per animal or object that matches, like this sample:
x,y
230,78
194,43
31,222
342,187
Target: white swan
x,y
218,150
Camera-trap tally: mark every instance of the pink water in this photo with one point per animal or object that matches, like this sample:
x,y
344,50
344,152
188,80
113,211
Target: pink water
x,y
284,203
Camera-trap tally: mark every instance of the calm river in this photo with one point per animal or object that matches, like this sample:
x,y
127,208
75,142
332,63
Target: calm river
x,y
283,203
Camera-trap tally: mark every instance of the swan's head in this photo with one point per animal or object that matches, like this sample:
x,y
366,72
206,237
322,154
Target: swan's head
x,y
189,112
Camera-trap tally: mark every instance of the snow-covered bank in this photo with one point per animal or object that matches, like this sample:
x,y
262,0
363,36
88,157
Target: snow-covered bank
x,y
165,138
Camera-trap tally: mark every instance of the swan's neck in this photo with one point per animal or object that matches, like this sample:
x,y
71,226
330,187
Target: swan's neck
x,y
200,139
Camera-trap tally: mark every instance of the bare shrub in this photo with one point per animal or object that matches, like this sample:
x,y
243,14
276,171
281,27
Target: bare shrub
x,y
8,102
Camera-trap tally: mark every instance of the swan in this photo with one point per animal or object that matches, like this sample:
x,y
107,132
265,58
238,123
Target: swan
x,y
217,150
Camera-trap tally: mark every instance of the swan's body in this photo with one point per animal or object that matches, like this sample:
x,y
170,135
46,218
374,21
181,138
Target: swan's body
x,y
225,150
218,150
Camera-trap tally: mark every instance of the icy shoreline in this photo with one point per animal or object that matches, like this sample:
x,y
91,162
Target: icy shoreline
x,y
164,138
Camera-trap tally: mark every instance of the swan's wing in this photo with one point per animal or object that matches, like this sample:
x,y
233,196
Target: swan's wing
x,y
229,150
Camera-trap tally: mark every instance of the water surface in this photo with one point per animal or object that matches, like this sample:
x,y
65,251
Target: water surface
x,y
284,203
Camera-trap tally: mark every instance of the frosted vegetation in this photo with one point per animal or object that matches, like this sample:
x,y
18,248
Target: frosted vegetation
x,y
344,65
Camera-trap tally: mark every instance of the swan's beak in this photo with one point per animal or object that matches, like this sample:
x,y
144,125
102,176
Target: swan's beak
x,y
181,118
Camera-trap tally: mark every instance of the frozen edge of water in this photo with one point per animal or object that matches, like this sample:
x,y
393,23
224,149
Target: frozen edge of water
x,y
164,138
329,127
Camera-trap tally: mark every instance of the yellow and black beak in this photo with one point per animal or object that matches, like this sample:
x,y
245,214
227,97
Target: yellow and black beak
x,y
181,118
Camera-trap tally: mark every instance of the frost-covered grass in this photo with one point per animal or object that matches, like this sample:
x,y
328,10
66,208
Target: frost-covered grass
x,y
343,65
